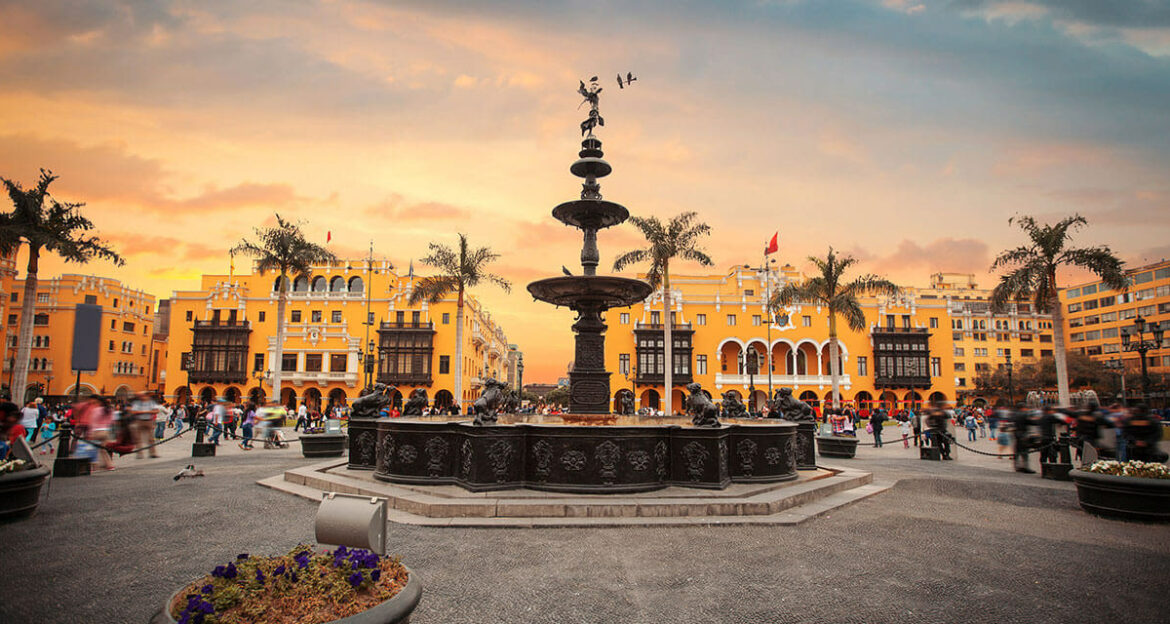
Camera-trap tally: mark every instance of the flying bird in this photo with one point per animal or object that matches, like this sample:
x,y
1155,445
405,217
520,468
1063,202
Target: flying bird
x,y
189,472
564,270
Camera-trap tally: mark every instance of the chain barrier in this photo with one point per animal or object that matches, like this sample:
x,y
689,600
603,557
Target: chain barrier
x,y
44,442
923,439
103,447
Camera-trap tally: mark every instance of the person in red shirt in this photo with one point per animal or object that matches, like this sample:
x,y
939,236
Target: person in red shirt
x,y
10,427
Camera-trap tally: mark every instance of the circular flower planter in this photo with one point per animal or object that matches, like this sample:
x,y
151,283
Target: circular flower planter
x,y
397,610
1131,498
20,493
323,444
837,446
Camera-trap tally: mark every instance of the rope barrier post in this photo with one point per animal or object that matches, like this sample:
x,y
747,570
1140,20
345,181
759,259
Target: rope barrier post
x,y
199,448
64,465
1058,471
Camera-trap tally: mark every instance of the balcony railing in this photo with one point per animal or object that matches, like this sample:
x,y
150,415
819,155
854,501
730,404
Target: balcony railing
x,y
405,379
660,326
223,324
659,378
387,325
216,376
320,377
900,330
724,379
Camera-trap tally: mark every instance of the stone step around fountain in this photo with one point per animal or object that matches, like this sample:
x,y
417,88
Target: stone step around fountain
x,y
776,503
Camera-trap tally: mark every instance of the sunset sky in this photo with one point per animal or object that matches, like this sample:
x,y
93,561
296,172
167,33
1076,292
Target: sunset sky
x,y
904,132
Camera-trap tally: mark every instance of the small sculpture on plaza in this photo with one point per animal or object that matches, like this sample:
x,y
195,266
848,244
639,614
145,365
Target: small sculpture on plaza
x,y
416,404
789,407
732,406
488,403
626,403
703,412
511,401
371,402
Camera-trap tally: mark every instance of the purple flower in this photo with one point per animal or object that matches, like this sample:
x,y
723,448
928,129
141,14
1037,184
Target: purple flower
x,y
355,579
207,589
259,575
241,556
207,608
230,572
292,576
302,559
279,570
375,575
341,550
219,572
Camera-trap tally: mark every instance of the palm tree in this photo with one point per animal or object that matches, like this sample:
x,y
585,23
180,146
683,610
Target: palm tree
x,y
284,249
458,271
830,291
678,238
58,228
1032,273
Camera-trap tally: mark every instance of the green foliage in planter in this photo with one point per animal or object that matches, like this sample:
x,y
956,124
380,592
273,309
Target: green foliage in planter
x,y
1133,468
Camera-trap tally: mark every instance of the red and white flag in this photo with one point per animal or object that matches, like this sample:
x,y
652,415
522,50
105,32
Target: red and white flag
x,y
328,236
773,245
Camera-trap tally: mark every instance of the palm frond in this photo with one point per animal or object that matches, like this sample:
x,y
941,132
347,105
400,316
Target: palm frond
x,y
1101,261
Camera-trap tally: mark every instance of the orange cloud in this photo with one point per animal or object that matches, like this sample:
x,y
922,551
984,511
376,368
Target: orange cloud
x,y
397,208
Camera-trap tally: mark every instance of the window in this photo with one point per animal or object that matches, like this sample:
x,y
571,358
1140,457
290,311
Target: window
x,y
115,303
1044,353
315,316
1109,332
1045,337
862,366
12,319
1091,304
935,367
1074,292
41,319
934,322
906,321
288,362
14,298
806,321
1142,311
295,316
1125,315
756,319
258,362
1107,301
655,318
1076,337
1091,289
748,292
184,359
111,347
701,319
731,319
128,327
338,362
1093,335
91,298
43,297
444,364
113,324
189,316
701,364
982,367
1142,278
416,317
624,318
958,351
1074,307
624,364
962,382
446,318
260,316
999,352
335,316
960,367
1026,353
143,350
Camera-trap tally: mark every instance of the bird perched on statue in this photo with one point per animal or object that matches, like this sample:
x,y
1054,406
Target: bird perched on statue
x,y
189,472
565,270
629,79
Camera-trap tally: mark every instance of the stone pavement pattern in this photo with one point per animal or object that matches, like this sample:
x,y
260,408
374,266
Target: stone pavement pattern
x,y
964,541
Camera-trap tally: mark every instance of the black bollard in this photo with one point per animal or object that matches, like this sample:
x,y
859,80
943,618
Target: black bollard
x,y
64,465
1058,471
1062,446
199,448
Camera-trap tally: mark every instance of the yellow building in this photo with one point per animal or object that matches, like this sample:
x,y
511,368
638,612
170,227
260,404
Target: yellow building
x,y
126,355
344,321
915,348
1096,317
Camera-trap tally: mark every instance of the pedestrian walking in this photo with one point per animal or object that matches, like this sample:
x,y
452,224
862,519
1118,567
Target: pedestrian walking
x,y
249,425
981,420
216,415
970,423
140,420
904,429
877,421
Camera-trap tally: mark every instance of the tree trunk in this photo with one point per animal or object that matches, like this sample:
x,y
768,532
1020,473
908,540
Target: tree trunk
x,y
25,334
834,358
278,355
1058,343
459,351
667,326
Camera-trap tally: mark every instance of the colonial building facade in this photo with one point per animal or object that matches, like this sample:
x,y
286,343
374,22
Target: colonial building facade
x,y
128,350
923,344
346,325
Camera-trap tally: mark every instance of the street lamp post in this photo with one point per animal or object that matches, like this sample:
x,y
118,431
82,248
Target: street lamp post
x,y
753,367
520,380
766,269
1118,366
1011,389
370,362
1143,346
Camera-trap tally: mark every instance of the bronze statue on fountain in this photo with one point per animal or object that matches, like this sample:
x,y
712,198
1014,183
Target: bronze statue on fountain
x,y
703,412
784,405
416,404
371,402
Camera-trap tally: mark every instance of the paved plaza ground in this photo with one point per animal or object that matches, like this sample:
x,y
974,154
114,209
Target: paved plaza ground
x,y
962,541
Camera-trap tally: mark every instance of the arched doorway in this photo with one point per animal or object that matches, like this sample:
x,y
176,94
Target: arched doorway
x,y
678,401
913,401
288,398
864,400
730,358
32,391
356,285
980,402
86,390
207,394
336,399
319,284
256,396
810,397
757,401
232,394
443,399
312,398
395,398
619,400
650,399
337,284
937,398
182,395
122,394
889,400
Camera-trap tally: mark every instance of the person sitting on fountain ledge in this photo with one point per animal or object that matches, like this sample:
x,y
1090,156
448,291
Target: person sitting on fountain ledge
x,y
703,412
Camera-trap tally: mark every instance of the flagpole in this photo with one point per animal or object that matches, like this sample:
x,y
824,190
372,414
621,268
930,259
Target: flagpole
x,y
768,318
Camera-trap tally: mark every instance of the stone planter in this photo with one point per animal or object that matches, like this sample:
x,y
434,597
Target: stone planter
x,y
323,444
20,493
397,610
1131,498
1055,471
837,446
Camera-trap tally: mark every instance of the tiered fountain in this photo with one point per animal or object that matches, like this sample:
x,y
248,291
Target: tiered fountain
x,y
555,452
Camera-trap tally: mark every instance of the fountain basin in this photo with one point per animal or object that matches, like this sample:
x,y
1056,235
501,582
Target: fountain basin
x,y
605,290
593,214
597,459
